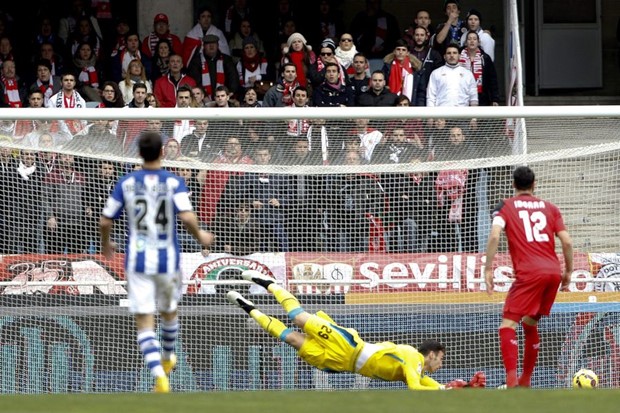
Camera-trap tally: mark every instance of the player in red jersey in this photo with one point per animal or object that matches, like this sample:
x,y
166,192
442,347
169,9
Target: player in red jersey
x,y
531,225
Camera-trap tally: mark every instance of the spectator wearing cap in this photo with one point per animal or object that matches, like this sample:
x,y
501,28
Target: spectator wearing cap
x,y
449,33
298,52
194,38
252,67
487,43
161,31
243,31
211,68
316,74
399,67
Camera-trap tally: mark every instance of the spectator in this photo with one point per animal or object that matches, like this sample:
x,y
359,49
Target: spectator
x,y
278,25
359,80
152,100
46,34
223,99
111,96
68,24
413,127
172,150
374,31
136,73
6,50
299,127
423,20
398,148
240,233
368,137
65,208
12,89
120,36
237,42
45,81
252,66
48,52
250,98
199,98
431,60
316,73
89,72
166,86
160,63
198,144
23,129
399,67
378,95
161,31
127,129
449,33
327,23
345,52
480,64
183,127
101,180
120,62
452,84
236,14
84,34
487,43
299,53
332,92
195,37
69,98
97,139
281,94
212,68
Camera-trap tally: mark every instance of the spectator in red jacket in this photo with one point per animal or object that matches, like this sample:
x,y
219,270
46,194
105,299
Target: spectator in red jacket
x,y
166,86
161,31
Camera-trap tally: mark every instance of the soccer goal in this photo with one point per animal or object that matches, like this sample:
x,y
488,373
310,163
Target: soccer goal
x,y
377,216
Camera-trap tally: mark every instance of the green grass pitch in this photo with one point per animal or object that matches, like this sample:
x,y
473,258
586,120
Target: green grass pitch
x,y
389,401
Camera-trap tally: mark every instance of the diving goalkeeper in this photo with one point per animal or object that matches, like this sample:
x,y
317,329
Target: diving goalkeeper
x,y
333,348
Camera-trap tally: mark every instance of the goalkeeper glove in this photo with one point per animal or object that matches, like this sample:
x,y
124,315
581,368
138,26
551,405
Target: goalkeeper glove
x,y
479,379
456,384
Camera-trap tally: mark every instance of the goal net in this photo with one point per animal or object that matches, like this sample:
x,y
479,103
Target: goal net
x,y
377,216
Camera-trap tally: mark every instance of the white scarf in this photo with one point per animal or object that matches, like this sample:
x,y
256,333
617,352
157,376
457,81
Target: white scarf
x,y
24,171
346,57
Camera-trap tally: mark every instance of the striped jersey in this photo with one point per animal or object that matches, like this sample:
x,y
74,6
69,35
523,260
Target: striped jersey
x,y
151,200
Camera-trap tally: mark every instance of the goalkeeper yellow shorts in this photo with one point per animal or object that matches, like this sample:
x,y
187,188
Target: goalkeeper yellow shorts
x,y
328,346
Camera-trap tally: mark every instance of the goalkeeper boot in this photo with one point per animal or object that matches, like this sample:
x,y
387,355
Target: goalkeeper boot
x,y
237,299
162,385
169,364
257,278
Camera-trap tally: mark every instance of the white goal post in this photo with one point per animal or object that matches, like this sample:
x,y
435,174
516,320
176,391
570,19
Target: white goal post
x,y
382,224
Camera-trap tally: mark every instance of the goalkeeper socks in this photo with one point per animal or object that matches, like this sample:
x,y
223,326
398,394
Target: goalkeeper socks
x,y
510,353
149,346
287,300
530,353
271,325
169,333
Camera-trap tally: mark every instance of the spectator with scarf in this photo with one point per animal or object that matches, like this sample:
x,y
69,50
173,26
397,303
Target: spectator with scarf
x,y
487,43
332,93
252,67
89,73
45,81
212,68
69,98
449,33
135,74
346,52
399,67
197,34
281,94
480,64
298,52
160,63
237,43
11,88
161,31
316,74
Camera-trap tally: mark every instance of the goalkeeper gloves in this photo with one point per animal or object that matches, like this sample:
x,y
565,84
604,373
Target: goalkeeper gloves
x,y
479,379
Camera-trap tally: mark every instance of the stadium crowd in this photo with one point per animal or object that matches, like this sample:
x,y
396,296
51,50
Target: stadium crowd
x,y
89,58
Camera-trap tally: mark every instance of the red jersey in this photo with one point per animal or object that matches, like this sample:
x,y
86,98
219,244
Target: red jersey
x,y
530,224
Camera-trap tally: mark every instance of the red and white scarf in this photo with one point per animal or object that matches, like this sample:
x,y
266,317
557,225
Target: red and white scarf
x,y
475,66
287,91
47,90
401,77
88,76
11,93
220,78
320,65
451,185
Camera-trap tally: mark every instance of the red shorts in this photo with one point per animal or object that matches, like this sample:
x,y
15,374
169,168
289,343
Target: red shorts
x,y
532,296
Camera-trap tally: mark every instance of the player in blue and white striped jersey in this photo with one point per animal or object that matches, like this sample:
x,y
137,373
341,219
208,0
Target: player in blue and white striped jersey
x,y
152,198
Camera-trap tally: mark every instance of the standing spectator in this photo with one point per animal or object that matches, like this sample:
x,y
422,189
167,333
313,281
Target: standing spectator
x,y
299,53
194,39
452,84
281,94
12,89
68,24
89,72
136,73
422,19
212,68
235,15
166,86
327,23
237,42
252,66
531,226
277,26
69,98
152,199
346,52
161,31
378,95
399,67
431,60
101,182
359,80
482,67
487,43
45,81
65,207
120,62
332,92
160,63
375,31
449,33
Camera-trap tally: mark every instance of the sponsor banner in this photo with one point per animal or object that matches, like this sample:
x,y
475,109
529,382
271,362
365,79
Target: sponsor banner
x,y
409,272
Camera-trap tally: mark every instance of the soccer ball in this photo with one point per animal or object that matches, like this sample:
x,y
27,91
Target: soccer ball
x,y
585,379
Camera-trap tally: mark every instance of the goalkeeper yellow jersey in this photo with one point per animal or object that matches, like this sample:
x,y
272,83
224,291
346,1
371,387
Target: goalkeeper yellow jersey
x,y
394,362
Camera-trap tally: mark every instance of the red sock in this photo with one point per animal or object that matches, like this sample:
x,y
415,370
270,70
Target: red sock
x,y
510,353
530,353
